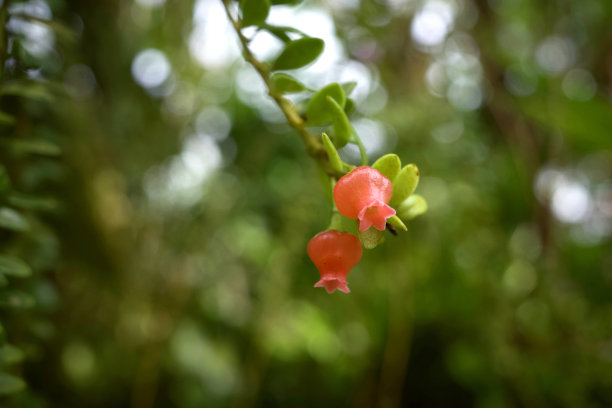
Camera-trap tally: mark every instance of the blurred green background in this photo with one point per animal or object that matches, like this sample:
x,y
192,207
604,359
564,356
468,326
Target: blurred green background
x,y
162,207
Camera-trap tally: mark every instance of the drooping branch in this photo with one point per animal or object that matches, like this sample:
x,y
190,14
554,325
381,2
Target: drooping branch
x,y
313,144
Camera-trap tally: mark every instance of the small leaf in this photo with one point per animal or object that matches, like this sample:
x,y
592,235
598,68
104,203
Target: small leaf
x,y
389,165
349,107
405,183
348,87
299,53
283,83
16,299
412,207
12,266
278,32
34,146
254,12
9,384
317,110
28,89
10,354
371,238
396,222
30,202
332,154
342,126
6,119
12,220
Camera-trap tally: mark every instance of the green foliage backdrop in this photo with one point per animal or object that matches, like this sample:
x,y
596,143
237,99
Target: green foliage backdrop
x,y
155,207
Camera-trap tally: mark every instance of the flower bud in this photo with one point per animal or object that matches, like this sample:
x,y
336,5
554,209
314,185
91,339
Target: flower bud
x,y
334,254
363,194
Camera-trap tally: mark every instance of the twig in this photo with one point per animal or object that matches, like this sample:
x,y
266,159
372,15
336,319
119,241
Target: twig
x,y
313,144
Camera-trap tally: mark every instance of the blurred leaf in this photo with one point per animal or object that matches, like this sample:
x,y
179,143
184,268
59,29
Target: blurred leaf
x,y
405,184
6,119
389,165
12,220
16,299
30,202
60,30
33,146
12,266
28,89
371,238
283,83
280,32
254,12
10,355
332,154
348,87
299,53
5,181
9,384
396,222
290,2
412,207
3,281
587,124
342,126
349,106
317,110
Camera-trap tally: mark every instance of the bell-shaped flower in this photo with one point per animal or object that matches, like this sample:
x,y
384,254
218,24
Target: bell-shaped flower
x,y
334,254
363,194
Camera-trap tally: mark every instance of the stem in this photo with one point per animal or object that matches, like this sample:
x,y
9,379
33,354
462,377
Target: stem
x,y
362,149
313,144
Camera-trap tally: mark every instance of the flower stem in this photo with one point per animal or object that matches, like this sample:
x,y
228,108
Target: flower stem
x,y
313,144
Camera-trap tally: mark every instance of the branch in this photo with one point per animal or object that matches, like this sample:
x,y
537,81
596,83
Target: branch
x,y
313,144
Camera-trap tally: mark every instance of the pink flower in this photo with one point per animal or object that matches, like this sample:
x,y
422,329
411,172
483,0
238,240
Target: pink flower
x,y
334,254
363,194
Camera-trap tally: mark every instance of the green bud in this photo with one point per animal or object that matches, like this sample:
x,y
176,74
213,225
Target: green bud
x,y
412,207
389,165
404,184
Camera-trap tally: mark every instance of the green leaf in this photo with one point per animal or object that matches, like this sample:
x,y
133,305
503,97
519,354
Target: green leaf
x,y
348,87
12,220
371,238
283,83
317,109
12,266
9,384
254,12
34,146
30,202
349,107
332,154
396,222
299,53
405,183
412,207
342,126
10,354
15,299
5,181
278,32
291,2
28,89
389,165
6,119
